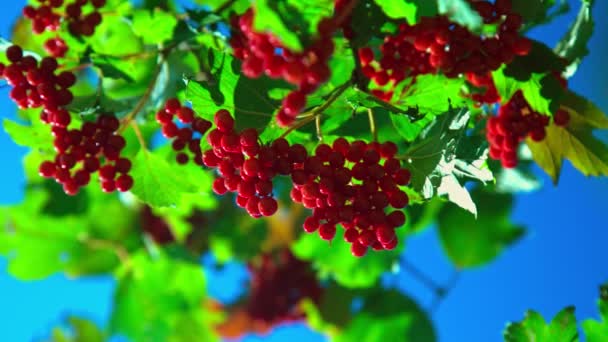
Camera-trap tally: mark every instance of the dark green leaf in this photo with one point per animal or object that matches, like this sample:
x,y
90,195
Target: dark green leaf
x,y
470,241
597,331
388,315
534,328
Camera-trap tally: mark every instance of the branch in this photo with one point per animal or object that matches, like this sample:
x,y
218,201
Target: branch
x,y
413,113
311,115
146,96
372,124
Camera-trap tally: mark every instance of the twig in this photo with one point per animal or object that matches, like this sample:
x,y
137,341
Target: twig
x,y
120,251
312,114
421,276
372,124
146,96
318,127
140,137
412,113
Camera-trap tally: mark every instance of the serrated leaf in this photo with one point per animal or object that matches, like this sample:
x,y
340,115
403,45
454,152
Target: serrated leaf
x,y
226,90
574,142
336,260
598,331
154,27
534,328
442,157
470,241
461,12
156,182
573,46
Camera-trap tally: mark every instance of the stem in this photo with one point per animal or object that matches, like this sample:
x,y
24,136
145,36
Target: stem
x,y
312,114
421,276
120,251
372,124
140,137
412,112
224,6
144,99
444,291
318,127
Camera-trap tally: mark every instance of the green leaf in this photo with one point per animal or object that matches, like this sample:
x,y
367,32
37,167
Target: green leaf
x,y
293,22
443,156
573,46
471,242
461,12
154,27
534,328
34,136
398,9
156,182
574,142
161,299
388,315
597,331
335,259
226,89
110,68
238,6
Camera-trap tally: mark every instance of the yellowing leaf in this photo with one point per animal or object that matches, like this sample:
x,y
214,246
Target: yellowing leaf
x,y
574,142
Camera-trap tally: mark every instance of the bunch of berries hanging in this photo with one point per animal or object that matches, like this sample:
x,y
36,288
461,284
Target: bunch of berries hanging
x,y
278,285
189,135
47,16
353,184
263,53
437,45
245,167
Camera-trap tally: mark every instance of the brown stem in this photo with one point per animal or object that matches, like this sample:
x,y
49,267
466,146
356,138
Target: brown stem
x,y
140,137
144,99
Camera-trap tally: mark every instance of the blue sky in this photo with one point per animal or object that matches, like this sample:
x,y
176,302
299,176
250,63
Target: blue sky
x,y
561,261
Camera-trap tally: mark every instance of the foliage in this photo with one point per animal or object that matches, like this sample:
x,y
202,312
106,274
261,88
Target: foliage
x,y
288,105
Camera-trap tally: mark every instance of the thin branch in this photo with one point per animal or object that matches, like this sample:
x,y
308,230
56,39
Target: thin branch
x,y
140,137
412,113
146,96
318,127
120,251
444,291
312,114
372,124
421,276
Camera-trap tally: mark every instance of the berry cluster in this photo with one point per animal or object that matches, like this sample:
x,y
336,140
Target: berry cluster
x,y
277,287
306,70
515,121
36,84
246,167
85,147
436,44
189,135
353,184
45,18
155,227
489,93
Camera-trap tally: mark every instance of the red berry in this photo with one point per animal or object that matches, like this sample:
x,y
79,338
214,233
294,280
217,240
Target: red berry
x,y
224,121
327,231
267,206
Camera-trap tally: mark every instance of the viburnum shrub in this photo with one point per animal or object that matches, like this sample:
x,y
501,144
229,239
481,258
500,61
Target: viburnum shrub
x,y
313,137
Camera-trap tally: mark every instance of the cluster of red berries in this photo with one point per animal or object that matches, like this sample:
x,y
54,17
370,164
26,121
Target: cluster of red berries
x,y
246,167
263,53
489,93
36,84
353,184
187,136
278,285
436,44
85,147
155,227
45,18
515,121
